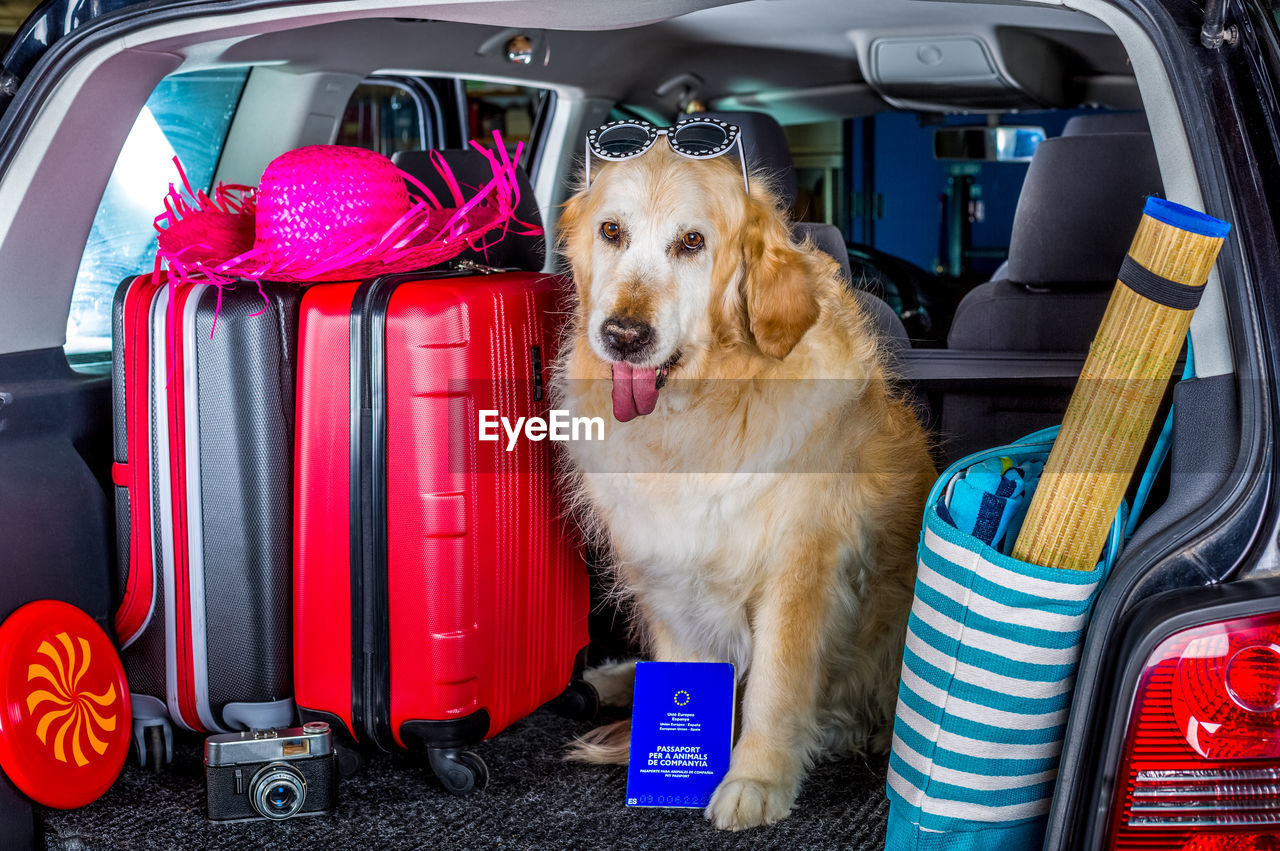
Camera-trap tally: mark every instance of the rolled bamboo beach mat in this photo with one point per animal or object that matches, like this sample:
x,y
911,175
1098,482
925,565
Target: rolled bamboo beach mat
x,y
1115,402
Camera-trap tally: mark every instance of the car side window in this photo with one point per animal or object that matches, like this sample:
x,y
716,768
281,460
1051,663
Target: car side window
x,y
187,115
512,110
390,114
386,116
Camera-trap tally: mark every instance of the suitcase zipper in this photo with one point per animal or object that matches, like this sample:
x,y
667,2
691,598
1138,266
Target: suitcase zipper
x,y
170,367
370,659
377,575
359,407
139,596
192,684
468,265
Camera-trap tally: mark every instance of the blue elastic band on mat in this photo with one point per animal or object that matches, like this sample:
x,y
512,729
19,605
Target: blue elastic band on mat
x,y
1185,218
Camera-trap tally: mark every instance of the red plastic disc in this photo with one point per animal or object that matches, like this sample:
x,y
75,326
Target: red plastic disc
x,y
65,719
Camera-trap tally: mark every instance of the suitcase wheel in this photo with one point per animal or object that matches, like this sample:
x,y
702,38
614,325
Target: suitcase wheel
x,y
350,760
153,743
580,701
460,772
154,758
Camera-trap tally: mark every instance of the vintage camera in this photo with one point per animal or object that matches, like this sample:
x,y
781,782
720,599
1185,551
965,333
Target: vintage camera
x,y
271,774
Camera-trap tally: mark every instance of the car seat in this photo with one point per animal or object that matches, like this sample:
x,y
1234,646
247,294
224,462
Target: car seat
x,y
472,170
1076,215
1106,122
1092,125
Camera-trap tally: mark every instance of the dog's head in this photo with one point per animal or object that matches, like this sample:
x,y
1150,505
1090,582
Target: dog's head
x,y
672,257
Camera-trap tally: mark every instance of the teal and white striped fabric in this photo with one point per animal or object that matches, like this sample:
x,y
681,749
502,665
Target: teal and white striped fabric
x,y
987,679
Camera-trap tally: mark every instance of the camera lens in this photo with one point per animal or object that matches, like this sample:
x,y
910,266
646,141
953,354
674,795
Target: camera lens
x,y
281,797
277,791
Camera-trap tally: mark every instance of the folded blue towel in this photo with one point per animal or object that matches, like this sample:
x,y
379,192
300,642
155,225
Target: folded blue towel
x,y
989,500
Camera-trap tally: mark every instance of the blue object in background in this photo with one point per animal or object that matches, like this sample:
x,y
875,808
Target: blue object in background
x,y
911,181
681,733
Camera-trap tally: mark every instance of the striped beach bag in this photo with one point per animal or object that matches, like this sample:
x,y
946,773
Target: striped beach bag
x,y
987,674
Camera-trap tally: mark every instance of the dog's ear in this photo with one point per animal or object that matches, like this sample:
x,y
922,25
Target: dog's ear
x,y
574,245
778,281
570,217
569,220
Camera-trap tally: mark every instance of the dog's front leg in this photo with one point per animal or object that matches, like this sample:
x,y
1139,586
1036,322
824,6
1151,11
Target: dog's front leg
x,y
779,704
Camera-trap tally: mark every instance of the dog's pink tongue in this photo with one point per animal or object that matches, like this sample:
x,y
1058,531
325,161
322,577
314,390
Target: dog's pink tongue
x,y
635,391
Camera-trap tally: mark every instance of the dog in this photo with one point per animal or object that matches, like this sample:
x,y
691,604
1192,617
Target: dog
x,y
760,485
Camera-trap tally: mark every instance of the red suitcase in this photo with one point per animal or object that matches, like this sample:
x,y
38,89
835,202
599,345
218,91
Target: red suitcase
x,y
439,591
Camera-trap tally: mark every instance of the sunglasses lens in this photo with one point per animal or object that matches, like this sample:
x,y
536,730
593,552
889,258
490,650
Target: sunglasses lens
x,y
699,138
620,140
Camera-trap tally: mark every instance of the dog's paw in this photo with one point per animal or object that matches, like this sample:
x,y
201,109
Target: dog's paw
x,y
739,803
613,681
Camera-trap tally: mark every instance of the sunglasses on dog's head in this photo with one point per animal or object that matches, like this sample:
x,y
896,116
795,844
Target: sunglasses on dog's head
x,y
695,138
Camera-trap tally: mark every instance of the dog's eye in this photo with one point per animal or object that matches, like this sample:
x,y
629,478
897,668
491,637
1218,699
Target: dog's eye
x,y
691,241
610,230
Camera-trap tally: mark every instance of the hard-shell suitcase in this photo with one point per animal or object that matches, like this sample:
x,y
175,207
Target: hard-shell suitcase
x,y
439,591
204,505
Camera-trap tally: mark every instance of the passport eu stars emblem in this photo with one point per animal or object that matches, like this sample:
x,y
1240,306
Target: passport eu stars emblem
x,y
681,733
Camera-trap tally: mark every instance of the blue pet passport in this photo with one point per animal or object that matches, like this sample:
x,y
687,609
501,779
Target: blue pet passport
x,y
681,733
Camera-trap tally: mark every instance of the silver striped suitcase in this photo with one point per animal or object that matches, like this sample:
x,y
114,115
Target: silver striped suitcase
x,y
204,505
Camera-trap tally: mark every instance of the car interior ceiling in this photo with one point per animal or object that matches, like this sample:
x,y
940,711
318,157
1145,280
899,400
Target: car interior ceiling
x,y
996,361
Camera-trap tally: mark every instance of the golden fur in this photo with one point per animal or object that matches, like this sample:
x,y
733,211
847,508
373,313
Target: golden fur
x,y
766,513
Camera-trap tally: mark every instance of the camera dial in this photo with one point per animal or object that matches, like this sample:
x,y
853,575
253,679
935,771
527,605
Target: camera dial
x,y
277,791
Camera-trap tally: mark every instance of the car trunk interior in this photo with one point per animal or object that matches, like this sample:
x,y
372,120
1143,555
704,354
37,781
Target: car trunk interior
x,y
1002,367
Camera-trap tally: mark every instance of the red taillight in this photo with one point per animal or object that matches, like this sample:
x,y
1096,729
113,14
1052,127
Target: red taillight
x,y
1219,842
1201,765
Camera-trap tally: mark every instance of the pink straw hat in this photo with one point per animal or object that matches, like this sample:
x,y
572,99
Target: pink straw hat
x,y
330,213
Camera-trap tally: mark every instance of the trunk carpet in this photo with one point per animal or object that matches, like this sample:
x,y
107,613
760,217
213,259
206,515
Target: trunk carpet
x,y
534,800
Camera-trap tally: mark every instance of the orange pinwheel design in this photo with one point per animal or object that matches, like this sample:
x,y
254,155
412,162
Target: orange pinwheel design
x,y
74,717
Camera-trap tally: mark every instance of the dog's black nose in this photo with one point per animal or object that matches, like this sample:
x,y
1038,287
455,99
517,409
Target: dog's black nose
x,y
626,335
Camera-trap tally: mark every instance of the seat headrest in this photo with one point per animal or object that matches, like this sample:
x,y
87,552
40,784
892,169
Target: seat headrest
x,y
1079,207
473,171
1106,122
827,238
766,148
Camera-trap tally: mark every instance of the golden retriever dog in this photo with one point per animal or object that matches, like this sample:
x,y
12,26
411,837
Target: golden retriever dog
x,y
759,485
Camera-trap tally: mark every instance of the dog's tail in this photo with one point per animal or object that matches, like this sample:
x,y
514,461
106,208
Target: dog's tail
x,y
610,744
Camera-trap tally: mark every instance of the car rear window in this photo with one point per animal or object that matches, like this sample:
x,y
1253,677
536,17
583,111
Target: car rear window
x,y
187,115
